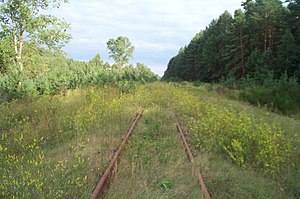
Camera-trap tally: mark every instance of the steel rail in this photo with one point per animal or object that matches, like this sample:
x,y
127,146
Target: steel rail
x,y
100,188
200,179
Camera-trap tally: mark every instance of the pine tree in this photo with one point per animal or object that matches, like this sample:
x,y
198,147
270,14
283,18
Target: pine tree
x,y
191,60
289,54
293,19
236,51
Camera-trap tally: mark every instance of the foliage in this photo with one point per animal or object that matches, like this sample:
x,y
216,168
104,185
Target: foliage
x,y
257,51
5,55
29,69
121,50
52,73
247,140
28,173
56,145
29,132
282,95
27,170
22,23
260,39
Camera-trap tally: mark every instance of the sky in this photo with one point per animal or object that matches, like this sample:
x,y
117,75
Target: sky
x,y
156,28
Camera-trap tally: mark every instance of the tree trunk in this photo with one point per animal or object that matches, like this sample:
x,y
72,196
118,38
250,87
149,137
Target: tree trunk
x,y
266,31
195,65
18,46
20,54
271,30
242,50
265,41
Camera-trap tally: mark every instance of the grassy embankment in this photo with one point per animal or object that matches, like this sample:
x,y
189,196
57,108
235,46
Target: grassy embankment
x,y
56,147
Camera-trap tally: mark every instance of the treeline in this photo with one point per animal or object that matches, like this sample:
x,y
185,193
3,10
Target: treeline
x,y
261,41
32,61
256,51
49,72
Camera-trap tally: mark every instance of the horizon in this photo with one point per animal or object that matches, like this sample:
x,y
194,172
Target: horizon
x,y
156,29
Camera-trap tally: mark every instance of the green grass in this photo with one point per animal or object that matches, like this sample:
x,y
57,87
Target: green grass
x,y
70,139
155,164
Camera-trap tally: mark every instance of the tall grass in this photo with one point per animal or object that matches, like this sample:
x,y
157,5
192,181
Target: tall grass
x,y
56,147
47,143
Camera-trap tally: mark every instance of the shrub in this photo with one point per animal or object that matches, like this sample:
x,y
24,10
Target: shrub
x,y
26,173
282,95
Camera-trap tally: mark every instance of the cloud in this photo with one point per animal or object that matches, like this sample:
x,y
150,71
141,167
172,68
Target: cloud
x,y
154,26
157,46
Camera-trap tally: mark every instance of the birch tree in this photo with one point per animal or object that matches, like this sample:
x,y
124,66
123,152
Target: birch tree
x,y
24,22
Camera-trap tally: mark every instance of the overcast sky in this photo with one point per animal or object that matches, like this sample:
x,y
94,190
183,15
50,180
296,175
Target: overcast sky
x,y
157,28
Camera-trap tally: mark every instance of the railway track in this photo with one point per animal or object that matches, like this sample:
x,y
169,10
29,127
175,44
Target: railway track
x,y
190,154
104,180
106,176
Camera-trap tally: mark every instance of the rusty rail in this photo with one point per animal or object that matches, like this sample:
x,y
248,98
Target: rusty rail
x,y
200,179
104,178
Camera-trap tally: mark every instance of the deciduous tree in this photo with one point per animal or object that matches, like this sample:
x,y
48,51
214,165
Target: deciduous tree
x,y
24,23
121,50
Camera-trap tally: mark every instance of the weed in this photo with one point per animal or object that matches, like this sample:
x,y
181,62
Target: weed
x,y
56,147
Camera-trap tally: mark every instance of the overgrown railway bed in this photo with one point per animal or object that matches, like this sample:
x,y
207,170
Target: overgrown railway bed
x,y
106,177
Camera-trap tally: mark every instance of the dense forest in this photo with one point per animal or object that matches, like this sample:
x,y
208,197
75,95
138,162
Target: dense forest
x,y
32,61
259,41
259,45
52,73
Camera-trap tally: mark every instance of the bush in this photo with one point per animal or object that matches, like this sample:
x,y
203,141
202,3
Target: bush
x,y
17,86
52,74
27,173
282,95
